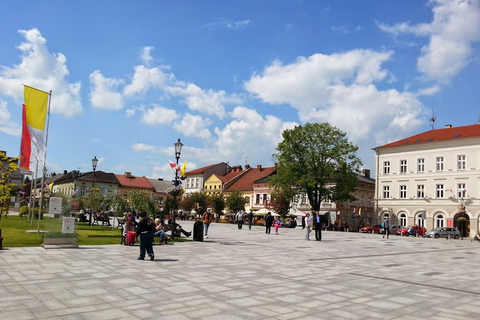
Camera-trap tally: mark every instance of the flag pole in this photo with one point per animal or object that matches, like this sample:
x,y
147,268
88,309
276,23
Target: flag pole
x,y
44,168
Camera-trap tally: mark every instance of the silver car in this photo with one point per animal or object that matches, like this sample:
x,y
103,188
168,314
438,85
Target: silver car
x,y
443,232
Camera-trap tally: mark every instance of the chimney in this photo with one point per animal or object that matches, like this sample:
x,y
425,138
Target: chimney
x,y
128,174
247,166
448,126
64,171
366,173
160,179
259,167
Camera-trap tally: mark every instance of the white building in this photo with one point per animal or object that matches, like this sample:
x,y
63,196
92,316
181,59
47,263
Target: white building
x,y
431,179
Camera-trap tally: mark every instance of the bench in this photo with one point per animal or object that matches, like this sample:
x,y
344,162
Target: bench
x,y
104,219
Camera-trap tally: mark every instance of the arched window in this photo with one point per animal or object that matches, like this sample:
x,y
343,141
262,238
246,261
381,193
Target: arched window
x,y
439,221
402,219
419,220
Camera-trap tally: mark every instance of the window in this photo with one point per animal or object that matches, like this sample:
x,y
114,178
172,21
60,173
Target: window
x,y
403,166
257,200
420,220
386,167
461,190
188,183
420,191
462,162
439,191
403,192
197,182
421,165
264,198
386,192
440,164
402,219
439,221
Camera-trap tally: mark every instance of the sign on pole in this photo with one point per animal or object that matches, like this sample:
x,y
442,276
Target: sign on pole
x,y
55,206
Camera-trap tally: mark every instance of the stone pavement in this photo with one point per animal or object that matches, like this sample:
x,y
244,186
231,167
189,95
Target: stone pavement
x,y
242,274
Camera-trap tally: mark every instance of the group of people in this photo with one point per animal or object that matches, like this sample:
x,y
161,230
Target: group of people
x,y
313,223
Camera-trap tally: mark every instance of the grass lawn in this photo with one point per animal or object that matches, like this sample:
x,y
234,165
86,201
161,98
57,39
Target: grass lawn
x,y
14,232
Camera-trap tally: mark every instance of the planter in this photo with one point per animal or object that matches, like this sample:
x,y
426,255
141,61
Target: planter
x,y
60,243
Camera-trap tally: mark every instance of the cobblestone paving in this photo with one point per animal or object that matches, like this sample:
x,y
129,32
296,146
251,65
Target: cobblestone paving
x,y
243,274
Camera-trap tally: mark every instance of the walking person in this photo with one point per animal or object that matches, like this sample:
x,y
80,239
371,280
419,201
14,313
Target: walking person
x,y
250,219
207,218
145,230
308,225
386,227
318,225
276,225
240,216
268,223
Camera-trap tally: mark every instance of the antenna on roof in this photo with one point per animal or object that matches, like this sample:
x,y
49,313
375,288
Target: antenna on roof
x,y
246,159
433,118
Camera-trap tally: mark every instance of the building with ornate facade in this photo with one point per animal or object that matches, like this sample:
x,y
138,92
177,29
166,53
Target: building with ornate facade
x,y
431,179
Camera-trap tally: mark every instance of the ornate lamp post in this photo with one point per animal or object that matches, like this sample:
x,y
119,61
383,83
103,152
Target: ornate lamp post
x,y
94,165
178,150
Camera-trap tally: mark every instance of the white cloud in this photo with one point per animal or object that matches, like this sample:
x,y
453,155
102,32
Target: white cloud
x,y
145,78
250,135
194,126
159,115
103,94
6,126
239,24
146,55
43,70
208,102
452,33
142,147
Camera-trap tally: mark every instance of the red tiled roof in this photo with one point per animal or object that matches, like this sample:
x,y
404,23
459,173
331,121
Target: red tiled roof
x,y
134,182
435,135
199,170
246,181
231,175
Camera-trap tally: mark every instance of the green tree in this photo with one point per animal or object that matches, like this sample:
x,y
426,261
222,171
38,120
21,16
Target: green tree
x,y
235,201
8,166
142,201
312,157
200,200
217,201
279,202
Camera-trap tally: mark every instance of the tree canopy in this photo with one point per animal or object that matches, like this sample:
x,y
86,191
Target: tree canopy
x,y
313,158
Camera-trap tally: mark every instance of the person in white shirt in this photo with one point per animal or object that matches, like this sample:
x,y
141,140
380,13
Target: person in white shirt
x,y
308,226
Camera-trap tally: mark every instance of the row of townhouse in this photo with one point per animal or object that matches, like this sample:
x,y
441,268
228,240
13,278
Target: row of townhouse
x,y
431,179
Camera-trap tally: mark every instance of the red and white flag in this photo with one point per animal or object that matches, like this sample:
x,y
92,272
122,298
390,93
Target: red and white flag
x,y
175,167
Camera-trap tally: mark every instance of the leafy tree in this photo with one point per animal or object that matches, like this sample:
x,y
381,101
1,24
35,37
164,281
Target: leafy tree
x,y
311,158
235,201
92,200
279,202
200,201
142,201
7,167
217,201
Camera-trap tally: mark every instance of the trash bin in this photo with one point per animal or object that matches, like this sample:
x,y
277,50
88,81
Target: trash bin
x,y
198,231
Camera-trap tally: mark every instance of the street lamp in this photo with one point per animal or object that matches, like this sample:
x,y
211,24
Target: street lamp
x,y
178,150
94,165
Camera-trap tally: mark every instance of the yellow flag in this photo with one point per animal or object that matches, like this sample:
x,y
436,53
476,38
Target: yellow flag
x,y
182,172
36,102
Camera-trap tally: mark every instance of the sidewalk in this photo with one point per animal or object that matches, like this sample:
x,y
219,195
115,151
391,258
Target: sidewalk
x,y
242,274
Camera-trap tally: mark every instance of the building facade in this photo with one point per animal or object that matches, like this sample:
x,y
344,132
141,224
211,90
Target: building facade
x,y
431,179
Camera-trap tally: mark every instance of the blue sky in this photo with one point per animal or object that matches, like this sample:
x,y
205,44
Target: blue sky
x,y
129,78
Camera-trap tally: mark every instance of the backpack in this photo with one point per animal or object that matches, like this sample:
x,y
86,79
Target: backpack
x,y
383,224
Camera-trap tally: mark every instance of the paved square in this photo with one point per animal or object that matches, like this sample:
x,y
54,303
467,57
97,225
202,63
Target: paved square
x,y
243,274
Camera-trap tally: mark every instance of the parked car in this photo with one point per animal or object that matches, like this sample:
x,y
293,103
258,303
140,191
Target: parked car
x,y
393,229
443,232
412,231
371,229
